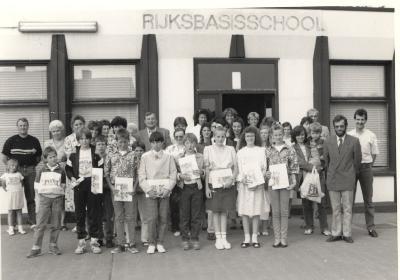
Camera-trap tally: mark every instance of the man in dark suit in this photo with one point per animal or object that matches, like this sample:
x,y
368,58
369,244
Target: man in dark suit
x,y
342,155
150,121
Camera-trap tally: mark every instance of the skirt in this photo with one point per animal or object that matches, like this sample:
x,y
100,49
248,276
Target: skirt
x,y
16,199
222,200
252,202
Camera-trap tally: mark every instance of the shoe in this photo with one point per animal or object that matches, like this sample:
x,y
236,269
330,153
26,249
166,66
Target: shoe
x,y
54,250
265,233
185,245
151,249
326,232
34,253
81,247
145,244
284,245
160,248
32,227
196,245
348,239
132,249
109,244
211,236
94,246
373,233
334,238
219,245
87,237
10,231
101,242
177,233
64,228
73,229
118,249
226,244
256,245
276,245
244,245
308,231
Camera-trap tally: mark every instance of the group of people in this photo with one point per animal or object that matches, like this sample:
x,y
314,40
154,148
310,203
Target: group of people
x,y
208,176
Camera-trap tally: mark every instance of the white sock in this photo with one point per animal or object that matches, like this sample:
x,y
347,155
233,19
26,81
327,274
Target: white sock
x,y
35,247
217,235
247,238
254,238
223,236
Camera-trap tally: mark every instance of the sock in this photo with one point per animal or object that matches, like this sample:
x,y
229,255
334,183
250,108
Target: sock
x,y
35,247
20,228
223,236
246,238
10,228
254,238
218,235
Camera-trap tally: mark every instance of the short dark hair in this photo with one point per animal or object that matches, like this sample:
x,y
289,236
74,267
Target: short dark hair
x,y
221,121
138,144
156,137
296,131
149,114
306,119
25,120
122,133
48,150
287,124
180,120
76,118
339,118
201,112
95,125
179,130
119,121
250,129
362,113
84,131
105,122
267,121
206,124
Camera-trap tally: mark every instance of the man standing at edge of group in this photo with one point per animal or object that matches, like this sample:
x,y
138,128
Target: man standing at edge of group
x,y
314,114
342,153
150,121
27,151
369,150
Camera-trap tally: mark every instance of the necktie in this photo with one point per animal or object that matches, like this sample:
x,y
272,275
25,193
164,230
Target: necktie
x,y
340,144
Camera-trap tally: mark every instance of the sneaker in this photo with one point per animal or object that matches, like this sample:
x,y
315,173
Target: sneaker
x,y
326,232
95,246
109,244
185,245
74,229
308,231
177,233
132,249
10,231
226,244
151,249
118,249
160,248
34,253
81,247
219,245
265,233
196,245
21,230
54,250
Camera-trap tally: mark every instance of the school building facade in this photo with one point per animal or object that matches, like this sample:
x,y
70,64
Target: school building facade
x,y
277,62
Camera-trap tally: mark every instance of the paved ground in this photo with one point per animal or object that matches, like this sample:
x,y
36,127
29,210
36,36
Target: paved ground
x,y
307,257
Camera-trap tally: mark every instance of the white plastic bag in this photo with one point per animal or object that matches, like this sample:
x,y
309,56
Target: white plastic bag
x,y
311,187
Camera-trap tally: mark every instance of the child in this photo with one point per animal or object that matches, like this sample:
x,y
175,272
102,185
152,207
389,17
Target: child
x,y
191,205
79,171
265,143
108,209
133,130
12,184
222,196
123,164
156,164
138,148
280,153
50,184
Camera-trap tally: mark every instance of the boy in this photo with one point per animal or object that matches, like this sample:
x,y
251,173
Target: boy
x,y
50,184
108,209
156,164
123,164
191,205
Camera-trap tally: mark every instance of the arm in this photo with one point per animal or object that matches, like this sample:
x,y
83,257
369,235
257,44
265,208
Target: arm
x,y
172,173
107,171
143,176
69,170
4,158
357,155
38,151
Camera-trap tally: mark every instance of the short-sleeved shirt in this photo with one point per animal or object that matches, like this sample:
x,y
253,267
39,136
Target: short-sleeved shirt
x,y
286,155
13,181
217,157
368,142
27,150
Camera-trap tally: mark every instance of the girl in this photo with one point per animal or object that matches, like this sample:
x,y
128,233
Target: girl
x,y
12,184
287,129
229,114
219,157
253,118
251,201
205,137
265,217
280,153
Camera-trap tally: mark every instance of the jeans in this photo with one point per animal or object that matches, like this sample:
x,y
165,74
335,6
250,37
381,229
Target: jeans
x,y
107,216
280,213
309,213
191,214
174,201
48,207
29,173
366,179
338,199
125,212
141,203
157,218
84,198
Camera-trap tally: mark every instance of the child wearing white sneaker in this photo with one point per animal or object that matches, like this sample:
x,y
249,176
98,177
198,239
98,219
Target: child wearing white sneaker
x,y
220,158
11,182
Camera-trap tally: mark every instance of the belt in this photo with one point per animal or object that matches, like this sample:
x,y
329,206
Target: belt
x,y
366,164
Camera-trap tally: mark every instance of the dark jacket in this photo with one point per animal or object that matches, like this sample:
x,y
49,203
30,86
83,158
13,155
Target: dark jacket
x,y
72,167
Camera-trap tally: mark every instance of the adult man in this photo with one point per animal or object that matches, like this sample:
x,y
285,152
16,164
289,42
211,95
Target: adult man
x,y
150,121
27,151
369,150
342,154
314,114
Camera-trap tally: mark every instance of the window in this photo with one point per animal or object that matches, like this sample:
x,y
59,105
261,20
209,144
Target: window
x,y
23,93
104,89
363,86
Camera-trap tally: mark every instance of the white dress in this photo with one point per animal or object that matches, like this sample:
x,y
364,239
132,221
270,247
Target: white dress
x,y
15,190
251,202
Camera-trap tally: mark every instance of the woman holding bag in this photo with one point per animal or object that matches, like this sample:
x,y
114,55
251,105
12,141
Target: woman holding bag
x,y
302,148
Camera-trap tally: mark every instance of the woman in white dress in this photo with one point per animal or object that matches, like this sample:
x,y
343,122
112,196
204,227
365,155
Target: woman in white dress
x,y
252,200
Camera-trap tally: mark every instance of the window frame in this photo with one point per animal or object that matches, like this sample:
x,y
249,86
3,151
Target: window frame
x,y
387,99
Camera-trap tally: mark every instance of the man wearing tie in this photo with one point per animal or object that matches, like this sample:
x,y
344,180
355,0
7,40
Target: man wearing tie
x,y
342,153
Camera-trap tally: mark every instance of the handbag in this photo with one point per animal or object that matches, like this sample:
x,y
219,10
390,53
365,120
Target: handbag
x,y
311,187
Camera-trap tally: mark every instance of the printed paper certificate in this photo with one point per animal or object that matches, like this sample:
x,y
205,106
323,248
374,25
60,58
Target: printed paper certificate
x,y
158,185
50,182
219,177
188,164
123,188
252,173
279,177
97,180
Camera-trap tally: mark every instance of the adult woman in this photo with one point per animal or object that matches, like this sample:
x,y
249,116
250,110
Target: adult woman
x,y
236,130
200,117
57,132
205,137
253,118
